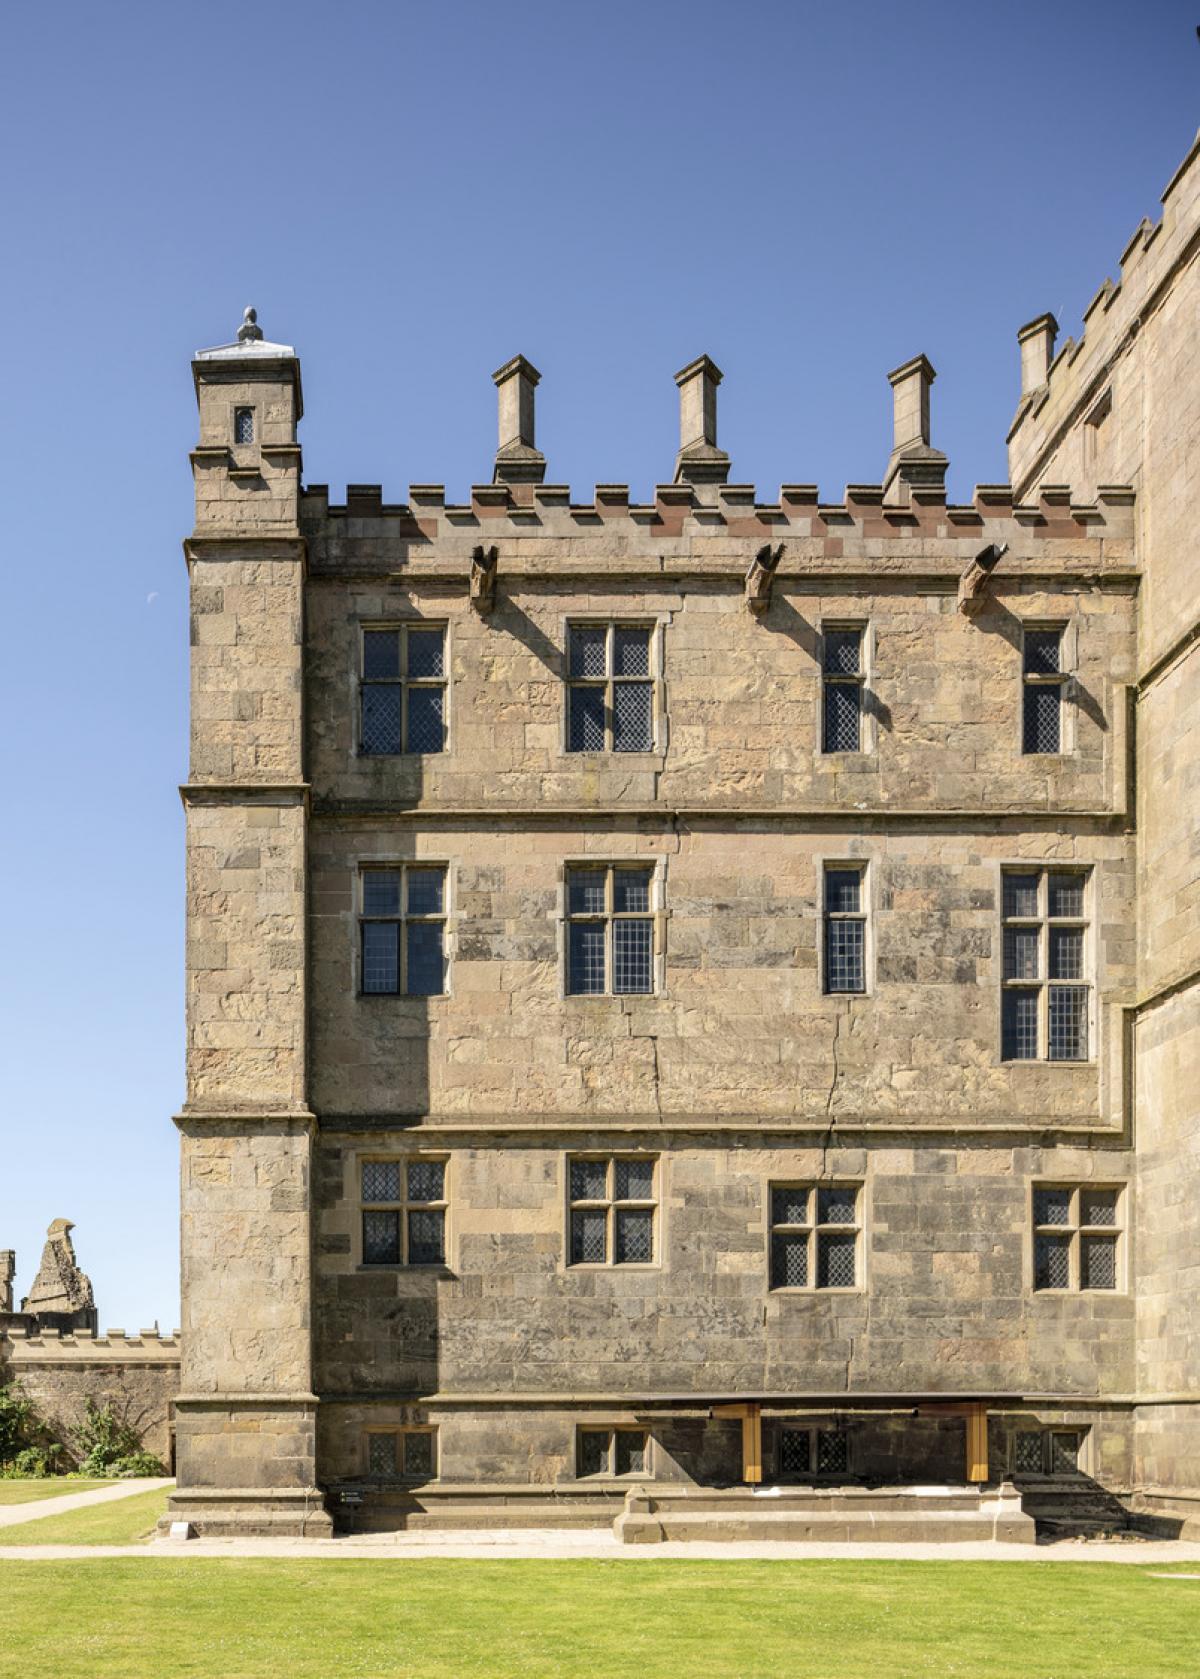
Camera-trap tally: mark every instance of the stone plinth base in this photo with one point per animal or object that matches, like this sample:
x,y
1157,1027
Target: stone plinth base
x,y
244,1512
838,1515
451,1508
1167,1513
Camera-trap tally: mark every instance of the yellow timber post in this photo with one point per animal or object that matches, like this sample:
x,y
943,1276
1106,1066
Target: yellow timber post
x,y
977,1443
751,1419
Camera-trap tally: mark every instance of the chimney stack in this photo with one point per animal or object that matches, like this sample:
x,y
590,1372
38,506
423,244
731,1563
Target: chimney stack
x,y
699,461
518,460
914,462
1036,339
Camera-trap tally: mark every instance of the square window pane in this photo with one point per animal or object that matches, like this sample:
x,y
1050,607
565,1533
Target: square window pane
x,y
381,1180
1066,953
593,1451
587,656
631,1453
1042,652
1027,1454
837,1206
632,957
1066,895
842,651
426,1238
381,1454
426,963
1052,1262
425,891
833,1451
1021,952
1019,1026
795,1455
426,731
789,1205
633,729
381,653
381,956
1052,1206
844,956
381,891
1064,1454
841,731
1098,1206
843,891
585,892
835,1260
634,1236
381,718
427,1180
634,1180
589,1180
586,959
1098,1262
1043,705
1021,895
589,1236
789,1261
631,890
381,1238
425,653
418,1456
631,651
585,731
1068,1023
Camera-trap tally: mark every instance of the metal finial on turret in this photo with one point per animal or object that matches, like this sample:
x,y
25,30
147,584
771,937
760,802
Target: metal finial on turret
x,y
249,331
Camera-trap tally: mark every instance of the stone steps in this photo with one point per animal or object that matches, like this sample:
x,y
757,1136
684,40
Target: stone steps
x,y
851,1515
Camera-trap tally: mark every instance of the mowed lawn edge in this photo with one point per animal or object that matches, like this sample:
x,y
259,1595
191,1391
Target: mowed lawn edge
x,y
124,1521
29,1492
574,1619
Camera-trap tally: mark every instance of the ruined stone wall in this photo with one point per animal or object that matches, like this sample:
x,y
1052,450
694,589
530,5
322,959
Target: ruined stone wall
x,y
137,1374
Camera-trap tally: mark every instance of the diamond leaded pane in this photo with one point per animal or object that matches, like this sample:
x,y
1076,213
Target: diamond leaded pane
x,y
381,1238
833,1456
381,717
586,730
418,1455
634,1236
632,957
835,1260
1052,1262
844,956
1027,1453
589,1180
1042,652
842,652
1066,896
837,1205
426,962
631,891
843,891
631,652
587,651
427,1180
585,892
586,972
795,1451
1098,1262
381,1454
425,890
589,1240
243,425
789,1261
631,1453
1021,952
426,653
381,653
1052,1206
1068,1023
593,1451
1020,896
1064,1454
842,707
381,892
426,1237
789,1204
426,727
381,956
1043,706
1098,1206
1019,1026
381,1180
632,720
634,1180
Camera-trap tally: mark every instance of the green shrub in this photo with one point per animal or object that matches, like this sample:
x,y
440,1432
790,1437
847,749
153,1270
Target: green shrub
x,y
18,1422
33,1463
137,1463
107,1444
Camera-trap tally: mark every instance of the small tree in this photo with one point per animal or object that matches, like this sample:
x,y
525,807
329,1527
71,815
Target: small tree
x,y
18,1422
108,1445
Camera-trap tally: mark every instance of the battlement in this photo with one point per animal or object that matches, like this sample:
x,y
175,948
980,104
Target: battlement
x,y
25,1345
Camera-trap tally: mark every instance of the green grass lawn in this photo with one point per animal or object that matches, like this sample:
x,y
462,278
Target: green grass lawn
x,y
25,1492
433,1619
122,1522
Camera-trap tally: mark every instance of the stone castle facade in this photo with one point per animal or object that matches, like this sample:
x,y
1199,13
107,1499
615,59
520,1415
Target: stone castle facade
x,y
696,993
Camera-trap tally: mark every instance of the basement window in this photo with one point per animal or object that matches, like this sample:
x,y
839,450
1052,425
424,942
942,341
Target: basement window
x,y
401,1454
611,1452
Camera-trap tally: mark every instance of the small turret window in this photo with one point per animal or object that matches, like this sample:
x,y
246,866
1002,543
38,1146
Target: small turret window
x,y
243,425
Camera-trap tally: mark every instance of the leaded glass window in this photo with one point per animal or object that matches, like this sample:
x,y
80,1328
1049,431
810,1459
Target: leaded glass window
x,y
814,1235
843,678
613,1209
1044,691
400,1454
809,1452
1076,1237
845,929
1047,1451
404,1211
610,930
402,930
243,425
611,687
611,1451
1045,1004
403,690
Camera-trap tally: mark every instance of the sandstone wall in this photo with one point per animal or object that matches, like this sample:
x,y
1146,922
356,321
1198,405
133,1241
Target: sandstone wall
x,y
137,1374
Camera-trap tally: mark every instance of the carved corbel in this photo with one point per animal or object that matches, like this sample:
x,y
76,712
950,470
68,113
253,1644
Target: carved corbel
x,y
760,578
972,585
484,566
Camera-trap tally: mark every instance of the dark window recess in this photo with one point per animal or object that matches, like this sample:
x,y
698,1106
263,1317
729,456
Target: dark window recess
x,y
1044,691
403,691
845,931
842,690
243,425
610,688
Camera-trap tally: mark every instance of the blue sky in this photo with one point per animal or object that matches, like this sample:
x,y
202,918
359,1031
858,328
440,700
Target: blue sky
x,y
411,194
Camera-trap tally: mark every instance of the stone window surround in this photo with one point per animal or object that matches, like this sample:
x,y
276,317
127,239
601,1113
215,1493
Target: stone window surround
x,y
398,1430
1093,916
657,864
868,736
1119,1229
399,620
1069,664
806,1422
593,1426
860,1227
237,410
610,1265
355,1160
363,865
1083,1432
655,621
867,900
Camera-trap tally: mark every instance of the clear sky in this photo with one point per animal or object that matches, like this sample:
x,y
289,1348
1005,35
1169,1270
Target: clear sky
x,y
410,194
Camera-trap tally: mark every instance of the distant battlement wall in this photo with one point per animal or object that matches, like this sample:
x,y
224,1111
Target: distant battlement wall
x,y
138,1374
